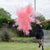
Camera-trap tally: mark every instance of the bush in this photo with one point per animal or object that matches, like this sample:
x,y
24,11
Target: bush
x,y
5,20
5,36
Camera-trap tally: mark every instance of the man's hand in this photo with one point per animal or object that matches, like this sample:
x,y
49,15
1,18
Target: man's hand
x,y
40,25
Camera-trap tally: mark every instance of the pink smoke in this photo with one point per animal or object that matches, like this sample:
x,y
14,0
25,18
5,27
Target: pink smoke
x,y
24,20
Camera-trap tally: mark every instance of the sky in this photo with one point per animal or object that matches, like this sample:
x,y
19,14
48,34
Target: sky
x,y
42,6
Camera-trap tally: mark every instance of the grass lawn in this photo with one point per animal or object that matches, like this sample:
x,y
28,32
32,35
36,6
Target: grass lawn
x,y
20,46
22,38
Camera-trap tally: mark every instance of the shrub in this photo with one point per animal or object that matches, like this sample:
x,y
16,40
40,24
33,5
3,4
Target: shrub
x,y
5,36
5,20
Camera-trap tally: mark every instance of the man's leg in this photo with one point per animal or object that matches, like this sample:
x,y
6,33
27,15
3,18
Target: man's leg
x,y
42,44
39,42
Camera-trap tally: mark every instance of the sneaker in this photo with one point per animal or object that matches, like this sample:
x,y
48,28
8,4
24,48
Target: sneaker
x,y
39,45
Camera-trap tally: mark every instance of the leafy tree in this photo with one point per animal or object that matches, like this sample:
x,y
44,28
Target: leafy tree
x,y
45,25
4,13
48,27
5,17
5,20
41,18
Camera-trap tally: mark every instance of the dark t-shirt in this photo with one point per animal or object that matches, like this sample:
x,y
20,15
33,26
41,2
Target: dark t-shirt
x,y
39,29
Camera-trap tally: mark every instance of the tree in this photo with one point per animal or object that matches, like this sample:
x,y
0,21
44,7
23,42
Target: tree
x,y
41,18
5,17
4,13
48,27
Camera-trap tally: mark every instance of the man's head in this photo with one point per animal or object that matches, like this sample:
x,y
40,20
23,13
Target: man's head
x,y
38,22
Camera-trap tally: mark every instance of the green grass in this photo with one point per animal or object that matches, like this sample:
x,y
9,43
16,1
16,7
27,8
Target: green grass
x,y
20,46
23,38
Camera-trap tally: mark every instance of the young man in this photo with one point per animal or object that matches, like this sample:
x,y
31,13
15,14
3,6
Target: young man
x,y
39,34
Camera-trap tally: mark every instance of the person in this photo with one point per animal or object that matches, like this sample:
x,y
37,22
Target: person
x,y
39,34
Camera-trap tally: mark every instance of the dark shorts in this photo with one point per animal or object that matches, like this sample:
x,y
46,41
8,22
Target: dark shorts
x,y
39,36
